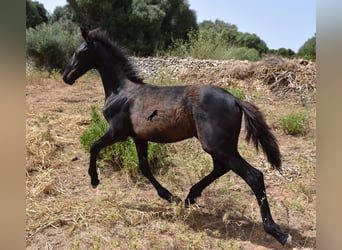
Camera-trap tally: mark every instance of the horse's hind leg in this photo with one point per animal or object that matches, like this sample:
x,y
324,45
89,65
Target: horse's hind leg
x,y
195,191
254,178
141,146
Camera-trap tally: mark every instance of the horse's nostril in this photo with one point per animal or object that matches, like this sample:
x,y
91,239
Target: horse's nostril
x,y
67,80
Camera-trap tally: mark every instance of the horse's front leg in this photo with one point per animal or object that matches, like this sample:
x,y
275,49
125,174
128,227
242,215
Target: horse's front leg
x,y
106,140
141,146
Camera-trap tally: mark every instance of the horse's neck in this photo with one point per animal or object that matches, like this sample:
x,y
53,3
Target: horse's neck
x,y
111,81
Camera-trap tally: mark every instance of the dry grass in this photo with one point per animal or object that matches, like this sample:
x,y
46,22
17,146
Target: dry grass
x,y
64,212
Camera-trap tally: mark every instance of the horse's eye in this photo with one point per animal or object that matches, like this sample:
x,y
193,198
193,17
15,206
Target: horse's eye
x,y
81,53
82,50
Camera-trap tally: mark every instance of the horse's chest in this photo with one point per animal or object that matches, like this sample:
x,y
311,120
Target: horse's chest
x,y
115,107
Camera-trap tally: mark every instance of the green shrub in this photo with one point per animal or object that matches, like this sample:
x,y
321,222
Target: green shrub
x,y
121,155
308,50
294,123
209,44
51,45
238,93
242,53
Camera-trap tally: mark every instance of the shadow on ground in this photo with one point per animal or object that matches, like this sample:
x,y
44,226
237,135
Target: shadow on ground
x,y
235,227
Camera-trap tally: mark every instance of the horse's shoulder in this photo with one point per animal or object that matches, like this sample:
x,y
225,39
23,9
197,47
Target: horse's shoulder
x,y
114,104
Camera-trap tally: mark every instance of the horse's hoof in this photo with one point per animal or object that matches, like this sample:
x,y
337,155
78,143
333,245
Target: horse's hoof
x,y
288,241
95,183
175,199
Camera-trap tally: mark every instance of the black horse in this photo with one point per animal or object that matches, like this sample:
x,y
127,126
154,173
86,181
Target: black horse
x,y
169,114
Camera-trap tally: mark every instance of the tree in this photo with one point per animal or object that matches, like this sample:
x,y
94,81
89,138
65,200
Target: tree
x,y
227,32
218,25
51,45
285,52
35,14
252,41
308,50
62,13
288,53
178,22
140,25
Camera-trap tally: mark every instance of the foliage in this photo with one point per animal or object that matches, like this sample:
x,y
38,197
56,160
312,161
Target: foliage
x,y
35,14
179,20
121,155
210,44
237,92
294,123
62,14
308,50
230,36
50,46
251,41
141,25
243,53
287,53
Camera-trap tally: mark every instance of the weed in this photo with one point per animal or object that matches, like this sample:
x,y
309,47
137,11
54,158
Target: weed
x,y
298,204
294,123
232,245
237,92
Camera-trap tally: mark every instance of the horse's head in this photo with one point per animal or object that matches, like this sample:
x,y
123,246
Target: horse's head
x,y
81,61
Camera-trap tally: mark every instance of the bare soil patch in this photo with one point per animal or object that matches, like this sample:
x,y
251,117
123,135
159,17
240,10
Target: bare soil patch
x,y
64,212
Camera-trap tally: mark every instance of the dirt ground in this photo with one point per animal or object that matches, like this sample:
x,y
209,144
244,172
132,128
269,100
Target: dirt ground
x,y
64,212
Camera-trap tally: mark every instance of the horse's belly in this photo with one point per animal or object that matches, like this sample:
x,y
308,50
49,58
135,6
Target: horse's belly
x,y
159,129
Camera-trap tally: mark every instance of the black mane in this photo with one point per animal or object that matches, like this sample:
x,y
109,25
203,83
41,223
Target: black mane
x,y
119,53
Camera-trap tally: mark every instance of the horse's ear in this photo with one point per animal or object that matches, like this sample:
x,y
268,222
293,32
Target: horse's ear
x,y
85,35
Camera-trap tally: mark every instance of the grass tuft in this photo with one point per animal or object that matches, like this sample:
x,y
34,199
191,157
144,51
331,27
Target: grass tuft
x,y
294,123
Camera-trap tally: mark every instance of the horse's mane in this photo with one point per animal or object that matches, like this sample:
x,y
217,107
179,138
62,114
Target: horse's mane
x,y
119,53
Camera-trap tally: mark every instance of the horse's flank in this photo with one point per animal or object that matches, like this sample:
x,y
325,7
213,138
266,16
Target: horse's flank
x,y
166,116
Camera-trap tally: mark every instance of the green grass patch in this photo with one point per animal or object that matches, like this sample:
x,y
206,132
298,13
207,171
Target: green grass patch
x,y
237,92
294,123
121,155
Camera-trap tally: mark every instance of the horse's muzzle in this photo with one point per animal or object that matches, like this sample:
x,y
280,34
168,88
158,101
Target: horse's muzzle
x,y
68,80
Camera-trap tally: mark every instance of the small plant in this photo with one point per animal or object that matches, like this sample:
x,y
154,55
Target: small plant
x,y
294,123
122,154
238,93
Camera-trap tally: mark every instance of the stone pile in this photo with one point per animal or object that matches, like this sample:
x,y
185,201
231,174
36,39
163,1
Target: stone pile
x,y
150,66
283,76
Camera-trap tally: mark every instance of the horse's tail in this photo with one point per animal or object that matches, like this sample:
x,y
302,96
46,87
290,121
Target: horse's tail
x,y
259,132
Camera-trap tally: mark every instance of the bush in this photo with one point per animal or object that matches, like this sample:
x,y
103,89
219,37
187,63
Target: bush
x,y
294,123
50,46
209,44
308,50
121,155
242,53
238,93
